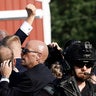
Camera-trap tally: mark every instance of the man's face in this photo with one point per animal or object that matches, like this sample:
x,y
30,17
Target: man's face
x,y
29,57
82,72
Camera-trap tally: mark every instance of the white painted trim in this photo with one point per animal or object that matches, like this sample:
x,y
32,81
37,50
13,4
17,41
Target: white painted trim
x,y
18,14
46,21
39,0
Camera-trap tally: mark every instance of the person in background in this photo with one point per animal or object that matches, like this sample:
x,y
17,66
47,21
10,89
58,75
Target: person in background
x,y
56,69
55,54
34,78
54,60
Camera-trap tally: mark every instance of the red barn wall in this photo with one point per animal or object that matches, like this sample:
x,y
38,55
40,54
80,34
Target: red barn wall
x,y
12,25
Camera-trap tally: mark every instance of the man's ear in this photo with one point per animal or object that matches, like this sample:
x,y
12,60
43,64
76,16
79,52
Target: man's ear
x,y
14,62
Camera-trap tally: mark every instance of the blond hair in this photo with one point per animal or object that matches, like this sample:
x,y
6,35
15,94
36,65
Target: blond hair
x,y
9,39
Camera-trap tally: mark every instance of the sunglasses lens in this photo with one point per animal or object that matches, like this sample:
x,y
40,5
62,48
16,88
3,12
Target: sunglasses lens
x,y
89,65
82,64
24,51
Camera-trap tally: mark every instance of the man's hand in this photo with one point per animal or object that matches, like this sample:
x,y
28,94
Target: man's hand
x,y
55,44
31,10
6,68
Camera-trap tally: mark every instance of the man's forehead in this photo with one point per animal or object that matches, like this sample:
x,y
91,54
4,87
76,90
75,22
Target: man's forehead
x,y
6,53
40,47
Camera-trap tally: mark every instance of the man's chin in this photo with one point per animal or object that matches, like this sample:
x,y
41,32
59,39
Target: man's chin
x,y
81,79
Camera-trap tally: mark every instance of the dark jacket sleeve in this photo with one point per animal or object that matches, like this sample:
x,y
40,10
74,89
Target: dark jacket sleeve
x,y
21,35
4,88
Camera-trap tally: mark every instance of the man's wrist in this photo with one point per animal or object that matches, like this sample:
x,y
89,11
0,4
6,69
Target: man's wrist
x,y
26,28
4,79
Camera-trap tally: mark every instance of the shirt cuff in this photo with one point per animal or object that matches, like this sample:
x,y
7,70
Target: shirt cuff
x,y
4,79
26,28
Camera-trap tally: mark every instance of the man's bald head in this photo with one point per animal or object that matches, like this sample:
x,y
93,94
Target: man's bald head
x,y
38,46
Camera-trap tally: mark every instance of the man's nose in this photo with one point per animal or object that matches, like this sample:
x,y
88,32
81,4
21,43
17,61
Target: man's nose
x,y
84,67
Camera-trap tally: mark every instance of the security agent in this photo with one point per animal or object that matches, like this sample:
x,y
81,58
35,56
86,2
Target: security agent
x,y
31,81
81,57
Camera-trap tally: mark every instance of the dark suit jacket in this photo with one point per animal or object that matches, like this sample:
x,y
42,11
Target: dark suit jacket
x,y
29,82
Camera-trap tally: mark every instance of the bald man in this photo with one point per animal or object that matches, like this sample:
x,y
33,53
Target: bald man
x,y
37,75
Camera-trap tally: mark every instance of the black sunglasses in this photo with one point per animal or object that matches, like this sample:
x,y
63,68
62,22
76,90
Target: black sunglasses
x,y
82,64
25,51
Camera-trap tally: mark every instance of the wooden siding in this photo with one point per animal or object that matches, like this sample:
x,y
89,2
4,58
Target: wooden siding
x,y
12,25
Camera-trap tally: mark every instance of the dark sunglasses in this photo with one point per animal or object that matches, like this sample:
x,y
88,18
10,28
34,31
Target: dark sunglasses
x,y
82,64
25,51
